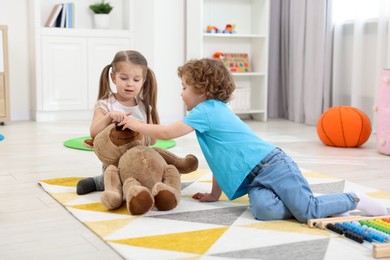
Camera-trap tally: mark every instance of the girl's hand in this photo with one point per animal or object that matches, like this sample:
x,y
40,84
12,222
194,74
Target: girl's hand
x,y
205,197
117,116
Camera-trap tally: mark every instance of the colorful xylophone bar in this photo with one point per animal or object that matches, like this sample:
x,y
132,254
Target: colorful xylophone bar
x,y
375,230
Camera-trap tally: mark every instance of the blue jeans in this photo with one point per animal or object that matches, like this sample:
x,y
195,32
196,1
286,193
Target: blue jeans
x,y
279,191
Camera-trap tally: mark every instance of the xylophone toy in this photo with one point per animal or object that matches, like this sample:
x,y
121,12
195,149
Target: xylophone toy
x,y
374,230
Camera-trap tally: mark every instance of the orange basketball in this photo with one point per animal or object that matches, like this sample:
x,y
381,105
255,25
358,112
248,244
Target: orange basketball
x,y
344,126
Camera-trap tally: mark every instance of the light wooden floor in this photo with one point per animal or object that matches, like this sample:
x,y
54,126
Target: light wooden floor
x,y
34,226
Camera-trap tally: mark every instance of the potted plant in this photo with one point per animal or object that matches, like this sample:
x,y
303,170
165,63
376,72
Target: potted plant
x,y
101,12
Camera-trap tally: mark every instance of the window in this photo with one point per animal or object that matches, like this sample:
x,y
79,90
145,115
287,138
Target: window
x,y
349,10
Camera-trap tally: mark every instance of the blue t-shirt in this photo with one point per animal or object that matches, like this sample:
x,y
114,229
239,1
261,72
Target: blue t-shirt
x,y
230,147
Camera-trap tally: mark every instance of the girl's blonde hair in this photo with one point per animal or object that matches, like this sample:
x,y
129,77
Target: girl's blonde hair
x,y
148,94
210,77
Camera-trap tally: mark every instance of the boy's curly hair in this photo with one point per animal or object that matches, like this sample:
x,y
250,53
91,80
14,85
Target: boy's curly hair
x,y
210,77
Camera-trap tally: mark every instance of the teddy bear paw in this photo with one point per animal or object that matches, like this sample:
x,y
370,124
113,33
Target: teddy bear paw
x,y
140,203
165,200
192,163
165,197
111,200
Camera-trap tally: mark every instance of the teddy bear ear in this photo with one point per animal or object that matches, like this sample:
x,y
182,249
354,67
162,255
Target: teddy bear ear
x,y
88,143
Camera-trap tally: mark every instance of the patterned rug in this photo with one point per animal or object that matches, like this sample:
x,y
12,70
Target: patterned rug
x,y
219,230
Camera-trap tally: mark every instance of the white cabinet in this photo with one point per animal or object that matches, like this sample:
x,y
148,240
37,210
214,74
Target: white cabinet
x,y
68,61
251,20
64,68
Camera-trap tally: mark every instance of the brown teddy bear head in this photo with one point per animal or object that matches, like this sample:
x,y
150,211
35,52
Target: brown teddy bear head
x,y
111,143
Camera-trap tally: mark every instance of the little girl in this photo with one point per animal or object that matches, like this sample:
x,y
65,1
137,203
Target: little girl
x,y
241,162
136,96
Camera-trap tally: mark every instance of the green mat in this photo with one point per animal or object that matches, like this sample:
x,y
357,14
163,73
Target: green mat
x,y
77,143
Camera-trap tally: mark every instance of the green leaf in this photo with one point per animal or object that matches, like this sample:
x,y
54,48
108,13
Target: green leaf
x,y
101,7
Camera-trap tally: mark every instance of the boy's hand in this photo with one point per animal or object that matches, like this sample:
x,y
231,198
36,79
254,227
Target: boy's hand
x,y
205,197
129,123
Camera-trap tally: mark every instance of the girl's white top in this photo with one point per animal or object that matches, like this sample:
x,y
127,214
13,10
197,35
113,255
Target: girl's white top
x,y
111,104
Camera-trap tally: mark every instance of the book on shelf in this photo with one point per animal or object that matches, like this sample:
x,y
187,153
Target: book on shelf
x,y
70,15
54,14
62,15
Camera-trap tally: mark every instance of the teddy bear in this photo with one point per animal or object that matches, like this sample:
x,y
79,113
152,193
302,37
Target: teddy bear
x,y
142,176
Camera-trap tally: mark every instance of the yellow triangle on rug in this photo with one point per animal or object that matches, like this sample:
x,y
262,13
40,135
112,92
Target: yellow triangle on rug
x,y
107,227
196,242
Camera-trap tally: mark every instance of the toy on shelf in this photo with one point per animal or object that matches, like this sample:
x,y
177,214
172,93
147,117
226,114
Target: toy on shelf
x,y
235,62
213,29
218,56
230,28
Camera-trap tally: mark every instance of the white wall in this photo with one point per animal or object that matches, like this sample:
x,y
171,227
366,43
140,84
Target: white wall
x,y
159,34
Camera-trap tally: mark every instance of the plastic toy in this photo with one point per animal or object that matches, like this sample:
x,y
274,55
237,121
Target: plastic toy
x,y
218,55
230,28
374,231
213,29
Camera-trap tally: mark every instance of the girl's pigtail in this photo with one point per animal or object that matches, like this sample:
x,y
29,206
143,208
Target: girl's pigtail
x,y
149,95
104,83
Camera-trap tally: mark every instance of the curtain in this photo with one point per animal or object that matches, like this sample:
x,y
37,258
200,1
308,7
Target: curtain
x,y
361,51
300,59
